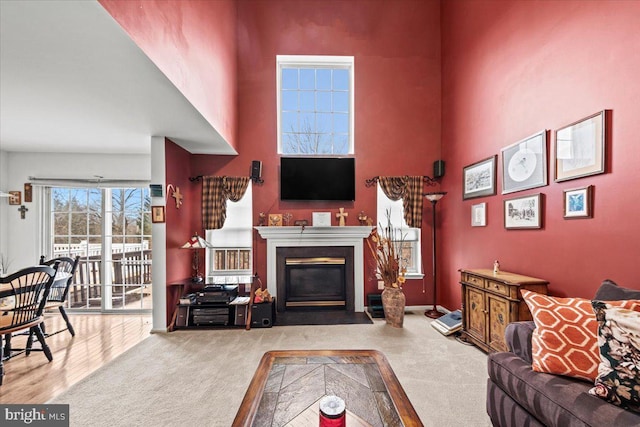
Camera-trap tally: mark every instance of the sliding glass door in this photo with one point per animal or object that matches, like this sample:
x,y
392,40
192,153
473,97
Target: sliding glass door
x,y
110,229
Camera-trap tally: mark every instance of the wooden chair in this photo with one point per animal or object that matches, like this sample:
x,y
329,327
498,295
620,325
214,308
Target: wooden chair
x,y
60,288
27,291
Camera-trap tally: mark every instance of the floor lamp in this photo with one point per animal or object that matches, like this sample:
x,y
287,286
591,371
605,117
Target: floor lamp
x,y
433,198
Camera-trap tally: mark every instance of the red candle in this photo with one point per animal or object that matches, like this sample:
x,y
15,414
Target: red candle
x,y
332,412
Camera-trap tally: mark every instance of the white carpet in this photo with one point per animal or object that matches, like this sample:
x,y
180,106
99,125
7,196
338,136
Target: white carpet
x,y
199,377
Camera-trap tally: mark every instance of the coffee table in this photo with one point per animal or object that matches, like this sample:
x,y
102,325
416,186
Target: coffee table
x,y
288,385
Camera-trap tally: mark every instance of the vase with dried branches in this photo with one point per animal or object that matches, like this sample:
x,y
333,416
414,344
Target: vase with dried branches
x,y
385,244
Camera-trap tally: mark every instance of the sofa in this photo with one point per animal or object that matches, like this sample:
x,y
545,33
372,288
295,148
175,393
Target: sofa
x,y
519,396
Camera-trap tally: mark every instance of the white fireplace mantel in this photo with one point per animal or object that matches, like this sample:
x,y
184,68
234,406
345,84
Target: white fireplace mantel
x,y
318,236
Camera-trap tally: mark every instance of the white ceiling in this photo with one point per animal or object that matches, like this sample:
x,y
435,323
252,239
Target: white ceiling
x,y
72,81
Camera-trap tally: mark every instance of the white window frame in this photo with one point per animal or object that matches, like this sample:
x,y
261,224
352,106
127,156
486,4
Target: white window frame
x,y
244,208
414,235
316,61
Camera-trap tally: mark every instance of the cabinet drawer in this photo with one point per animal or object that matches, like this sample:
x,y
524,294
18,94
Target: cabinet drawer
x,y
499,288
474,280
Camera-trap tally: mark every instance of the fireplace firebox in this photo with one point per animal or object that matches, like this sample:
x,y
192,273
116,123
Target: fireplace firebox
x,y
315,277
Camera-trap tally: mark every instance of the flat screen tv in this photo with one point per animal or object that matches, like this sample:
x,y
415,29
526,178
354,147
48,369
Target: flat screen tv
x,y
317,178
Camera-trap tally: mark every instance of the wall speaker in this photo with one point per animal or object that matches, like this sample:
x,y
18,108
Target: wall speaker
x,y
256,170
438,169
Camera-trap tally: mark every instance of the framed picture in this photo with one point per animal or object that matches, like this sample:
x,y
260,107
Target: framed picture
x,y
580,148
524,164
157,214
578,202
15,198
479,179
28,192
275,220
523,212
479,215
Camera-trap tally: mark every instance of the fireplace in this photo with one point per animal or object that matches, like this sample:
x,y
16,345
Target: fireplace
x,y
315,277
318,237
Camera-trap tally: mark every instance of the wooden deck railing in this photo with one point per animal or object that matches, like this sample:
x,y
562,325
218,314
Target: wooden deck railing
x,y
127,270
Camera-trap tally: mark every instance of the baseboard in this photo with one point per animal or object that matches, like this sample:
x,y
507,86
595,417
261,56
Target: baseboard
x,y
425,308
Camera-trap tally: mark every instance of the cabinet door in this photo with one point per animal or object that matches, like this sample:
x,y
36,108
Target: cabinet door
x,y
499,317
476,321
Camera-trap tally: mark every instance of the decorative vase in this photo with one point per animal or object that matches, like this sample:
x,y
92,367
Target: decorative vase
x,y
393,303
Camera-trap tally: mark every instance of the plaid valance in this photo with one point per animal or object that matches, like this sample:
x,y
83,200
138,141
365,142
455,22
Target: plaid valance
x,y
216,190
409,189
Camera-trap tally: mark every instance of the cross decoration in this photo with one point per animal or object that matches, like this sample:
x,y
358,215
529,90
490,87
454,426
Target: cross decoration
x,y
178,196
342,217
22,209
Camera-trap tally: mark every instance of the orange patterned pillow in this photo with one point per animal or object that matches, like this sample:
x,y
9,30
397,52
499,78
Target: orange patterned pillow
x,y
565,341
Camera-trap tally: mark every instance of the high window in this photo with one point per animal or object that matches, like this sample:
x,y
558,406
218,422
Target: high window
x,y
315,105
411,252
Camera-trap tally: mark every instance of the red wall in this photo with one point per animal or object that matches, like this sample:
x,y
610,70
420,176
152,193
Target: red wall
x,y
396,46
181,222
194,44
510,70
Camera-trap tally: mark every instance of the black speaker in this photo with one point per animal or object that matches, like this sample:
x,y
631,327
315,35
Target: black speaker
x,y
438,169
262,314
256,170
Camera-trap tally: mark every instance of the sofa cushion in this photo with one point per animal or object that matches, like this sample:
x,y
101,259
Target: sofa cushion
x,y
506,412
565,339
610,291
618,380
554,400
518,335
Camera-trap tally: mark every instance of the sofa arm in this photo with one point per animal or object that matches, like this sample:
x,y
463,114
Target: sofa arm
x,y
518,338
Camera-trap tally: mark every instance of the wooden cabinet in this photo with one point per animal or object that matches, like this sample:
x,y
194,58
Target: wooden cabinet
x,y
490,302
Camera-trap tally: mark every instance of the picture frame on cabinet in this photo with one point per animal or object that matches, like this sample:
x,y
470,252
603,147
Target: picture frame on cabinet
x,y
580,148
523,212
524,164
578,202
479,179
479,215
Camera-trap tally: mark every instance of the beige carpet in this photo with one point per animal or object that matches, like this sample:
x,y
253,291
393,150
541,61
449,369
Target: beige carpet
x,y
199,377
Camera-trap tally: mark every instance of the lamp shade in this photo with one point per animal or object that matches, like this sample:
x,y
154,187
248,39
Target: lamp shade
x,y
196,242
434,197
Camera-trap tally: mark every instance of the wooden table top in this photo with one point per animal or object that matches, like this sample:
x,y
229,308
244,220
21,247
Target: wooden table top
x,y
288,384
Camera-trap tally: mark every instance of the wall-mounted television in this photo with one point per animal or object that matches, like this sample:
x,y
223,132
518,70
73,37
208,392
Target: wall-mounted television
x,y
317,178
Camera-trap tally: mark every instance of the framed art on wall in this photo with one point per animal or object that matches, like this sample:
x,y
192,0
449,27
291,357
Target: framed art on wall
x,y
479,215
578,202
524,164
479,179
523,212
15,198
157,214
580,148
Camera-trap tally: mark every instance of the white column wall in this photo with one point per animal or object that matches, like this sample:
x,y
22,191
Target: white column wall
x,y
159,232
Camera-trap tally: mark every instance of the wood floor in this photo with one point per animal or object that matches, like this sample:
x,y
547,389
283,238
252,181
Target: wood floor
x,y
99,339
